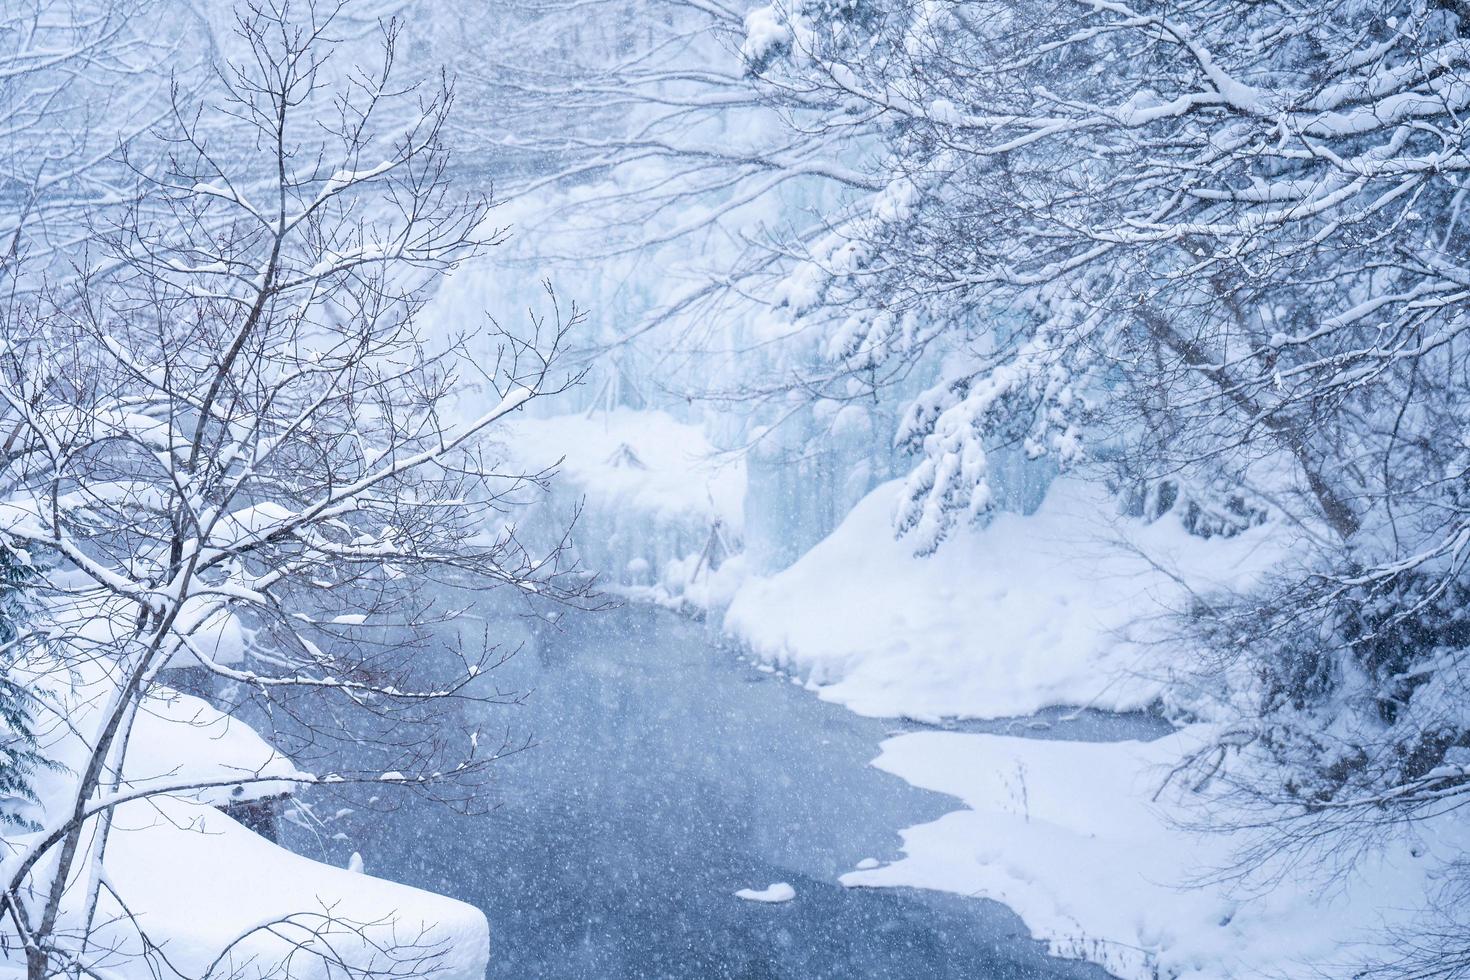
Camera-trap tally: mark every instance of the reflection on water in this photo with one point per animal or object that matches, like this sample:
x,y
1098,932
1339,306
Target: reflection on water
x,y
667,776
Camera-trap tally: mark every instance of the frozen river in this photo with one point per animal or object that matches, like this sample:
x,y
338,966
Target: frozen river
x,y
668,775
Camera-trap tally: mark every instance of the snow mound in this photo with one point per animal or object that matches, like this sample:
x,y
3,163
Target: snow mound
x,y
773,894
207,887
1024,613
180,740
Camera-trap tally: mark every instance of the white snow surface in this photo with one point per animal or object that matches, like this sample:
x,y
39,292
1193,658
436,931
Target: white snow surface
x,y
1024,613
1068,835
771,895
201,882
181,741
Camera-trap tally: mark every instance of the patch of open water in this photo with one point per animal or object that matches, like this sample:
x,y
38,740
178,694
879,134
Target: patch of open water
x,y
668,775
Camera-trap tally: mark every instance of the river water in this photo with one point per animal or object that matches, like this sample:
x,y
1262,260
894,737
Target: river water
x,y
667,774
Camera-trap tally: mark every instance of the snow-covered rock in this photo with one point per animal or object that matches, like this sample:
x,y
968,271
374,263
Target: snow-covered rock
x,y
180,740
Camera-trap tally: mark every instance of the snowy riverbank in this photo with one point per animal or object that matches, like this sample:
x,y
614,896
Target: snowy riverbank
x,y
1082,839
182,882
1055,608
1072,837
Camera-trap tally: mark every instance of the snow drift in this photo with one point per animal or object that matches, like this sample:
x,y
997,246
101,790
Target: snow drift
x,y
1024,613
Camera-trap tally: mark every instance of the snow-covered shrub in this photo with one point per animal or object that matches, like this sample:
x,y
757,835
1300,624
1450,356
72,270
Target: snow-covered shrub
x,y
1206,513
1360,703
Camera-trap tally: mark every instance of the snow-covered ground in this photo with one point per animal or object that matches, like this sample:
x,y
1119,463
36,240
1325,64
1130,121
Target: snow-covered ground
x,y
211,896
1070,836
1054,608
207,887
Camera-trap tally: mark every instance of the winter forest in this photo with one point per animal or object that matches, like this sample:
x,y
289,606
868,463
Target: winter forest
x,y
595,489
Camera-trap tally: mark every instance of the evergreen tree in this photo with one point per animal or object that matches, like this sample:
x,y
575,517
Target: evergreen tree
x,y
19,753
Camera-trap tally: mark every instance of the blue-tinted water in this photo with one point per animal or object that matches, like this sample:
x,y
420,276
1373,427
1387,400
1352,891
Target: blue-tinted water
x,y
667,775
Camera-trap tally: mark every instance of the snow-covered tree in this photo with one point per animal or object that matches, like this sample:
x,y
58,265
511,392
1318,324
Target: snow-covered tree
x,y
234,445
1220,243
80,81
20,757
